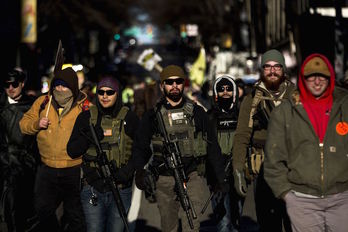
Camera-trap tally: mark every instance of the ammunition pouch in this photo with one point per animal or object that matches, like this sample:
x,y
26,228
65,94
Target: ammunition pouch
x,y
255,161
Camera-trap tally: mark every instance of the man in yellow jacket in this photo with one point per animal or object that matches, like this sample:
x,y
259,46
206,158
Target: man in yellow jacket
x,y
51,118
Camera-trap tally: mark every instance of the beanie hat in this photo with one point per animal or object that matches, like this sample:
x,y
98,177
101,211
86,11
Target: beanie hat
x,y
273,55
316,66
67,75
110,82
172,70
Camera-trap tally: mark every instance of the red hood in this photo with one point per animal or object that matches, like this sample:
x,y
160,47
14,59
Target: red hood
x,y
304,93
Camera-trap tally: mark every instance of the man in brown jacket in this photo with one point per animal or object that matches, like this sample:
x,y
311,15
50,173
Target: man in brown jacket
x,y
250,138
51,118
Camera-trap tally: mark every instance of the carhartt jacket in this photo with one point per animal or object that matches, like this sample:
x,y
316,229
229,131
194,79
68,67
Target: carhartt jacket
x,y
294,158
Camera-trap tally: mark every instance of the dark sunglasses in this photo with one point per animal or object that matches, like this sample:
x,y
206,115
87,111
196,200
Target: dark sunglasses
x,y
108,92
14,84
222,88
178,81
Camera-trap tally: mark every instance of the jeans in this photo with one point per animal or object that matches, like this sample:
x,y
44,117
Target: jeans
x,y
232,210
104,216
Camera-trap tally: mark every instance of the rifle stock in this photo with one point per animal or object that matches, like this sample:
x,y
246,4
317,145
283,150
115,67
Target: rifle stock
x,y
108,169
172,158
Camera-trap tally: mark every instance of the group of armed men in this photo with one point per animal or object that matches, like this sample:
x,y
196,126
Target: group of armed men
x,y
289,142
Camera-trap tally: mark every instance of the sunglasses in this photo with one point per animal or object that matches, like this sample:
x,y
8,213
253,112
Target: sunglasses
x,y
14,84
223,88
108,92
178,81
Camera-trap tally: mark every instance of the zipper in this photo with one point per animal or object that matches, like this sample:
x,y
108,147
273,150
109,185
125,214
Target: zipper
x,y
321,145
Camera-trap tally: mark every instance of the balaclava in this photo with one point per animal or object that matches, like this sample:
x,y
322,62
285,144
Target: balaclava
x,y
225,103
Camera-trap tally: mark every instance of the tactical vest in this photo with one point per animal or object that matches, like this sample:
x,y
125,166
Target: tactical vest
x,y
180,127
116,143
226,127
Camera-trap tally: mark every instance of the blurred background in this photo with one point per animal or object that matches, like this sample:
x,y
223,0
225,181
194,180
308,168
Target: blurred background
x,y
213,36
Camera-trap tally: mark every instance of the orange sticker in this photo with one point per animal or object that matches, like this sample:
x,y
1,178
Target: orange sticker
x,y
342,128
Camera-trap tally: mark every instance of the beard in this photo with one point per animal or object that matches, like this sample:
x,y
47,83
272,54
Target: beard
x,y
175,96
225,103
272,85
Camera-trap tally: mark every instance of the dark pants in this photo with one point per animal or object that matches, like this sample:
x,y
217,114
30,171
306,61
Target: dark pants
x,y
270,211
54,186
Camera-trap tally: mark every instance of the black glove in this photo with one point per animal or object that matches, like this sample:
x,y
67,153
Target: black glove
x,y
239,182
124,174
144,180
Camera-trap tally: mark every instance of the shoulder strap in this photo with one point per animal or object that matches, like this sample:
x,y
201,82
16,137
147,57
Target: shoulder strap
x,y
43,104
255,102
123,112
94,114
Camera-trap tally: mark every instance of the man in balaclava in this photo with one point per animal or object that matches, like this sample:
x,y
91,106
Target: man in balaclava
x,y
250,138
51,118
223,116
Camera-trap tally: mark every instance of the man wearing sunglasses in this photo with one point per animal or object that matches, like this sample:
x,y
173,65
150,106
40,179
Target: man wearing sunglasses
x,y
18,156
250,137
51,118
187,125
223,117
306,150
115,125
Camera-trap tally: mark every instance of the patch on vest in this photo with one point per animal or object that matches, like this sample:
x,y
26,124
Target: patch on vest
x,y
226,124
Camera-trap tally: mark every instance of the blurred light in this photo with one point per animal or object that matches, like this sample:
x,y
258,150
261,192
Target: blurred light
x,y
132,41
117,37
78,67
329,11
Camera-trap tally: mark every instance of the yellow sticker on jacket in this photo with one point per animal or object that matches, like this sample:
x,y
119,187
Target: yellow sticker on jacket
x,y
342,128
107,132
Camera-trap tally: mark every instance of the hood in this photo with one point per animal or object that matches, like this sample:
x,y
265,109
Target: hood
x,y
229,79
69,76
304,93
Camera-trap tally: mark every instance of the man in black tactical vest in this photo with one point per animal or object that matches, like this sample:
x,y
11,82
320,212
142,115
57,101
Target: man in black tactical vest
x,y
250,137
177,133
115,127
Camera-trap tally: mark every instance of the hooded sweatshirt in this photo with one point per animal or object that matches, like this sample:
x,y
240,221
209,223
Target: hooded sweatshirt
x,y
318,110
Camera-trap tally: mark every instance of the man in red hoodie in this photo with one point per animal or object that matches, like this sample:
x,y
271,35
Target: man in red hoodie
x,y
306,161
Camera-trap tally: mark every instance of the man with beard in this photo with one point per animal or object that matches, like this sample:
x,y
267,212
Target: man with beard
x,y
18,157
250,138
223,117
186,124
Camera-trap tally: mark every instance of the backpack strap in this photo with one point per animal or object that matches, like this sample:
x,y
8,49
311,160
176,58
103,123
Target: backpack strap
x,y
43,104
256,100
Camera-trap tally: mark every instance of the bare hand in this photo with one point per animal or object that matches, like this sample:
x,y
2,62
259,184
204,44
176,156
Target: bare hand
x,y
44,122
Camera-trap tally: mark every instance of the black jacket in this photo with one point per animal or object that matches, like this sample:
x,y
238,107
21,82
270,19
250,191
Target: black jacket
x,y
141,152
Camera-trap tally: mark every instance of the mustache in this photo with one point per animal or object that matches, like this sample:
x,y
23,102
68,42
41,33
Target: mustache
x,y
273,74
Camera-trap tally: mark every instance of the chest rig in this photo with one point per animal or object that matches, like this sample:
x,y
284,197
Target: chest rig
x,y
180,127
225,127
116,144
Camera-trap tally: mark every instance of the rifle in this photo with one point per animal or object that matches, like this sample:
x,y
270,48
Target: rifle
x,y
108,170
227,171
172,159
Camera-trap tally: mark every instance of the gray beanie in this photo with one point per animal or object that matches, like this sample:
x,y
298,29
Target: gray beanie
x,y
273,55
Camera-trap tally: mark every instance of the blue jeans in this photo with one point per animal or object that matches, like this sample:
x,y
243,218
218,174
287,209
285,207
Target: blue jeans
x,y
228,222
104,215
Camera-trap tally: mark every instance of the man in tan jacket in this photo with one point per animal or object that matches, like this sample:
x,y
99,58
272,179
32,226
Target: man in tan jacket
x,y
51,118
